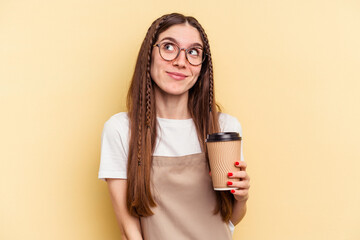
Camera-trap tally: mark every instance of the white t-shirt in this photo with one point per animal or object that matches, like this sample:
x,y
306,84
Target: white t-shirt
x,y
174,138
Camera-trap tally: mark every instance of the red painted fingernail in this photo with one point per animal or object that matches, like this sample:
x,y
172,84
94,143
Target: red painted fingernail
x,y
237,163
229,183
230,174
233,191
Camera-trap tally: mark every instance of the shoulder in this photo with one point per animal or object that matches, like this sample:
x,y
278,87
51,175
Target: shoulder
x,y
229,123
118,121
117,125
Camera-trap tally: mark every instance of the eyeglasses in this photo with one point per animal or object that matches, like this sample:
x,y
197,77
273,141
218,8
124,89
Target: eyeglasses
x,y
170,51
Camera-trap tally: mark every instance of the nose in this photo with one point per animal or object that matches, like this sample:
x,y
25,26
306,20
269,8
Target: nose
x,y
181,59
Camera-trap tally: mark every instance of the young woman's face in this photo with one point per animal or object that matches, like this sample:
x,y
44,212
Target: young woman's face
x,y
176,77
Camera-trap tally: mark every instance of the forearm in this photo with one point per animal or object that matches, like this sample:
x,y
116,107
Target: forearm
x,y
239,211
128,224
129,227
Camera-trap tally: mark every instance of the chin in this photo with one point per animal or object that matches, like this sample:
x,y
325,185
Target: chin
x,y
174,90
175,93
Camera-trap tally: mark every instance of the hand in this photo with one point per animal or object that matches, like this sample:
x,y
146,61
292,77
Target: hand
x,y
241,194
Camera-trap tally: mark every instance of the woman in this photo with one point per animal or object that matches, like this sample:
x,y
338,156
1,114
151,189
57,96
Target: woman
x,y
154,157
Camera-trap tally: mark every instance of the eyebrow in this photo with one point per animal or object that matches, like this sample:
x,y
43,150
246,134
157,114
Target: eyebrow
x,y
174,40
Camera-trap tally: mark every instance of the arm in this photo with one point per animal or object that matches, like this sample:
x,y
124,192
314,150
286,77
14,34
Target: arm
x,y
129,225
239,211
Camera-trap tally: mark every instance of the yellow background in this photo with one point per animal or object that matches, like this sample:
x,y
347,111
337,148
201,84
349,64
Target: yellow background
x,y
288,70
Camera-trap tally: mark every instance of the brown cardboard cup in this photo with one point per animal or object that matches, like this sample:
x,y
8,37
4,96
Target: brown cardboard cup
x,y
224,150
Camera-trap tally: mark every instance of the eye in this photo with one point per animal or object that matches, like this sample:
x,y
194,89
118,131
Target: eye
x,y
194,52
168,47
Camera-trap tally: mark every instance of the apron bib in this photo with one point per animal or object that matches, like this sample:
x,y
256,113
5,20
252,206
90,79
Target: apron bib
x,y
183,192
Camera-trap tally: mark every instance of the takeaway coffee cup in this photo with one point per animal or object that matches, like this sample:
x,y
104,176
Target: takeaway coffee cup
x,y
224,150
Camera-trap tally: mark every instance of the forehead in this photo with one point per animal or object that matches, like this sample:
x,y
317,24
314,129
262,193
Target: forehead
x,y
184,34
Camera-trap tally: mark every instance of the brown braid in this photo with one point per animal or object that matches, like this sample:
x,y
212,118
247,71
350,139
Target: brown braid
x,y
211,83
211,88
148,90
148,77
211,127
210,66
139,128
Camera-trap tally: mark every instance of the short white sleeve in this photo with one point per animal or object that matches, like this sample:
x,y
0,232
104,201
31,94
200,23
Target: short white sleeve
x,y
229,123
114,147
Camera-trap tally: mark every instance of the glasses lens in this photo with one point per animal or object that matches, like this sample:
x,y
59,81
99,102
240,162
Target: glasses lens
x,y
168,51
194,55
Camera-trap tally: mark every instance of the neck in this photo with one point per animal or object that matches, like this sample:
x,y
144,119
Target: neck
x,y
171,106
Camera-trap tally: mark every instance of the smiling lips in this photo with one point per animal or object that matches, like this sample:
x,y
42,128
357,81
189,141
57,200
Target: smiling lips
x,y
176,76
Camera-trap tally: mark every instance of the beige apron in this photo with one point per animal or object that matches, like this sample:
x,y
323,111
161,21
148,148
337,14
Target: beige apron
x,y
185,198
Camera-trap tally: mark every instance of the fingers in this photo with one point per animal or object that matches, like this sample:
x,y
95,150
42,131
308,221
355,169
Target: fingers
x,y
239,184
240,194
241,164
243,185
239,174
